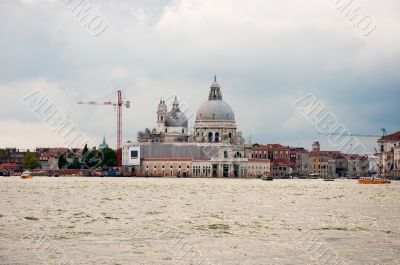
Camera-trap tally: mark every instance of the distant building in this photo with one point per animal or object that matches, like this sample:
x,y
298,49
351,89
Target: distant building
x,y
316,146
13,157
103,144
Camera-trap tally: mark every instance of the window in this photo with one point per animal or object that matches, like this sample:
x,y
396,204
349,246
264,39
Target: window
x,y
225,154
210,137
217,137
134,154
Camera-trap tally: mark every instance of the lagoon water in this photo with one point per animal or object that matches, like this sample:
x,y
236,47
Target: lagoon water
x,y
197,221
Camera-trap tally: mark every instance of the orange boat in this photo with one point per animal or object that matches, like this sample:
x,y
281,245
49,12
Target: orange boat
x,y
373,181
26,175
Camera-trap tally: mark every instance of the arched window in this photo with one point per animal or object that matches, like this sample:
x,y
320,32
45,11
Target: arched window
x,y
217,137
210,137
225,154
183,130
166,130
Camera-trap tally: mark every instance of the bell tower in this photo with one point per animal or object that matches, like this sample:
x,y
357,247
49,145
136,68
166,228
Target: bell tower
x,y
161,116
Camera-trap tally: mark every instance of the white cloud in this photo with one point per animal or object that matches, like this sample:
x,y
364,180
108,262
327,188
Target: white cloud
x,y
265,53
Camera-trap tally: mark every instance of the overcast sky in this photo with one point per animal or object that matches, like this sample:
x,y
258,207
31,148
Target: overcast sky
x,y
266,54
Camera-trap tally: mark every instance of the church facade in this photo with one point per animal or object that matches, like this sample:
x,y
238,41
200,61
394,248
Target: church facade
x,y
215,148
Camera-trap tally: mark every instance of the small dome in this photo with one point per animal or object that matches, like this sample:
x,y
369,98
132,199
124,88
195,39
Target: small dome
x,y
215,110
176,118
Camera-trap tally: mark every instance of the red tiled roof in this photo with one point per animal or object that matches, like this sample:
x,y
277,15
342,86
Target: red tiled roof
x,y
391,137
270,146
8,166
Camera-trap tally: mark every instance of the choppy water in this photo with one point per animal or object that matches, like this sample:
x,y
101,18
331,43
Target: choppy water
x,y
197,221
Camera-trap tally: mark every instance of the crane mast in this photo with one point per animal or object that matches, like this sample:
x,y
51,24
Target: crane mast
x,y
119,121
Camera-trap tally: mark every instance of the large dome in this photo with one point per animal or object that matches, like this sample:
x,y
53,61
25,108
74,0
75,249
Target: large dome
x,y
215,110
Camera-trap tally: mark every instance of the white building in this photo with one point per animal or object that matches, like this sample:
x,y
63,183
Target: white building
x,y
388,154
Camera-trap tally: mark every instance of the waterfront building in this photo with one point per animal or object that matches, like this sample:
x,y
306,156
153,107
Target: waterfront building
x,y
389,154
281,169
13,156
319,163
358,165
214,149
273,152
300,161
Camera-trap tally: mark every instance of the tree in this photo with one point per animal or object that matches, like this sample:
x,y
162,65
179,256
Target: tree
x,y
76,164
62,162
31,161
93,159
85,150
109,158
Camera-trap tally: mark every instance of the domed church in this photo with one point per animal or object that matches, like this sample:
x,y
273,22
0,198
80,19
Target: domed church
x,y
215,120
213,149
172,126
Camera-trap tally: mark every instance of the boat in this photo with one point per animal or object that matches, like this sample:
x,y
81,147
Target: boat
x,y
5,173
26,175
267,178
374,180
329,179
